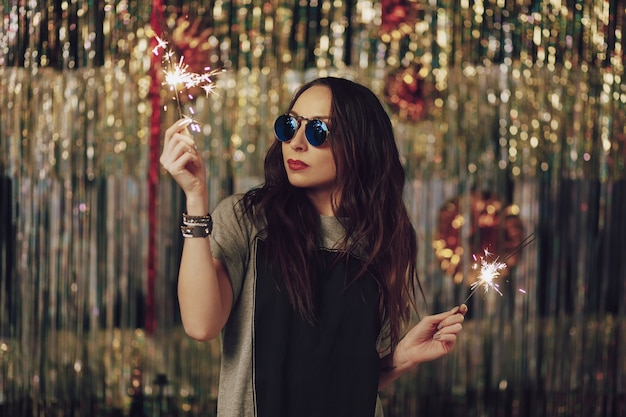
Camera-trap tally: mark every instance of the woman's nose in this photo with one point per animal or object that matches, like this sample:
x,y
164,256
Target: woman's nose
x,y
299,138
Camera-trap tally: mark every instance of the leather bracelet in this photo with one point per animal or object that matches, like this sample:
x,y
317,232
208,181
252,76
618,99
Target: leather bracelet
x,y
196,226
195,231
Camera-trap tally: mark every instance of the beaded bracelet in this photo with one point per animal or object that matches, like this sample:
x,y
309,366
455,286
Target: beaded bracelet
x,y
196,226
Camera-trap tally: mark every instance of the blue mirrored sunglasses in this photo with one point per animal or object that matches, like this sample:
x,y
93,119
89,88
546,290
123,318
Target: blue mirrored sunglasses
x,y
286,126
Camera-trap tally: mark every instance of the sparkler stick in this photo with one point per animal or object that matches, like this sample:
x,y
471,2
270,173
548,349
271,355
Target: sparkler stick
x,y
489,271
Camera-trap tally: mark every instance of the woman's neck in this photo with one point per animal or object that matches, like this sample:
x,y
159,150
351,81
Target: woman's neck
x,y
322,201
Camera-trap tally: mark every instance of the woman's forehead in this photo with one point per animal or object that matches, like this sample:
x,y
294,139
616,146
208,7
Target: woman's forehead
x,y
315,101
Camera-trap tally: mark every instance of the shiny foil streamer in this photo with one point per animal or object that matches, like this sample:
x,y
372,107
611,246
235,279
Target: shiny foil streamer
x,y
522,99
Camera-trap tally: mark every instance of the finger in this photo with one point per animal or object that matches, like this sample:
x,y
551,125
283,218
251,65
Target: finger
x,y
178,157
446,338
186,150
453,319
183,165
176,144
463,309
179,127
436,319
454,315
448,333
451,329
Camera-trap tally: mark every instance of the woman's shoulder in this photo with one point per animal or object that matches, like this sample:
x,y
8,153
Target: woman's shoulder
x,y
235,209
229,206
231,201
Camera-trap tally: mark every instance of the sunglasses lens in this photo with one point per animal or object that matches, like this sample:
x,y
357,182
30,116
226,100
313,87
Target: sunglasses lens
x,y
285,127
316,132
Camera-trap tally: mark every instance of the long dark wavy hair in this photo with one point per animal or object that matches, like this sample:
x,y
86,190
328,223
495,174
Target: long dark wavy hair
x,y
370,183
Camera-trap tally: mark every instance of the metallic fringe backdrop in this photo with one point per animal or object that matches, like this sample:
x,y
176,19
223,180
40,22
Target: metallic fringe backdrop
x,y
510,115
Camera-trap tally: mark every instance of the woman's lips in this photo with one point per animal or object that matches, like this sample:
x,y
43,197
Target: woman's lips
x,y
296,165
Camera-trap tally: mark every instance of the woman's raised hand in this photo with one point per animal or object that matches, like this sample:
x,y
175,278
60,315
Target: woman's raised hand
x,y
180,157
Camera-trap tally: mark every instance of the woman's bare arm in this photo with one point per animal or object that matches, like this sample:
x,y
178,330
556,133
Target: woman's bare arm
x,y
204,290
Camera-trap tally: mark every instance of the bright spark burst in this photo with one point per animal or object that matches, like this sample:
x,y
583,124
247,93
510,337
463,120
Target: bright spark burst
x,y
177,74
488,272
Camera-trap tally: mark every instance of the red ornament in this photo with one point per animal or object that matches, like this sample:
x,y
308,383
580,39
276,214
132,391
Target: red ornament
x,y
405,93
399,16
492,226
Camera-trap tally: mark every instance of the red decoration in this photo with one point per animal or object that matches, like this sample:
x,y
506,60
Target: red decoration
x,y
492,226
399,16
404,93
153,170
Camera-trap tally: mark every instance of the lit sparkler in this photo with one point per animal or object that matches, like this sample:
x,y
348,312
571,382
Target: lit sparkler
x,y
178,76
488,270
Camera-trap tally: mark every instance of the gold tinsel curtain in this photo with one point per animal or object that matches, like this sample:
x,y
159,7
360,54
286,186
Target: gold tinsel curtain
x,y
510,115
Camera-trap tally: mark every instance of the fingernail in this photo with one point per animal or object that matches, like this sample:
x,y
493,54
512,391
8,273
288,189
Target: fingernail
x,y
437,336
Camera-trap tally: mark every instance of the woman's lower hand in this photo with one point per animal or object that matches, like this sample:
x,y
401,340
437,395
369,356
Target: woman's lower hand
x,y
433,337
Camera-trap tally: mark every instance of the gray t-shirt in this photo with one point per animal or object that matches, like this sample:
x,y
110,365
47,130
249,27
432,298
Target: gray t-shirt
x,y
276,364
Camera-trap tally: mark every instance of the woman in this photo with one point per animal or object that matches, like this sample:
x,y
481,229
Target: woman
x,y
311,277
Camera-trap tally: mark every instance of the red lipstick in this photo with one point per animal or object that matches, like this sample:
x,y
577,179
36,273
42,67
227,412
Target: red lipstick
x,y
296,165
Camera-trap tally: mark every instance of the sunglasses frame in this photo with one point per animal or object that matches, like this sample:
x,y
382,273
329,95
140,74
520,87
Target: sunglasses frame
x,y
309,129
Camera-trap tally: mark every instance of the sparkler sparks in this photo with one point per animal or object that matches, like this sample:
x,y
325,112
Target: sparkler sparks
x,y
487,274
488,271
178,76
